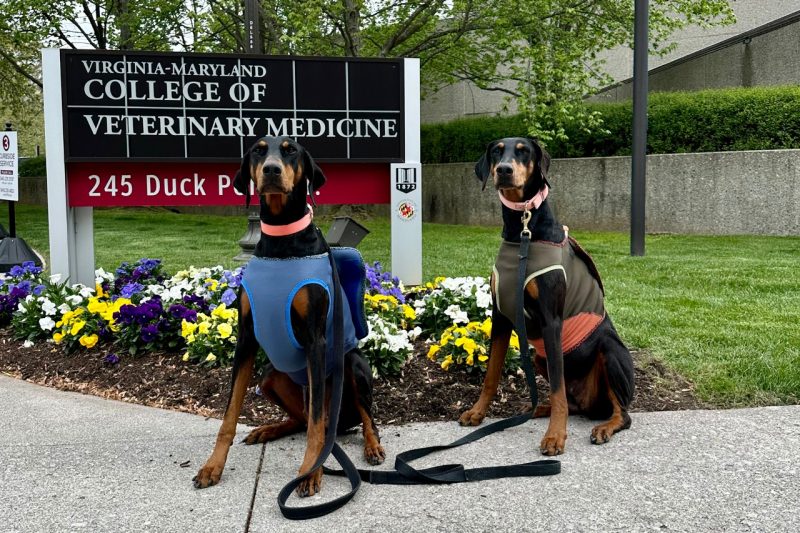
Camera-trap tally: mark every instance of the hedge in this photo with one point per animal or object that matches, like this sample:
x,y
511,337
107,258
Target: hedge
x,y
719,120
32,167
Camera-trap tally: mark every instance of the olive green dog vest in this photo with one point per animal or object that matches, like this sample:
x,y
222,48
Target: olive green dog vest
x,y
583,307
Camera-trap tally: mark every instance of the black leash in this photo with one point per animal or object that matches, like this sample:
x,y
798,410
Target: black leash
x,y
404,473
522,332
314,511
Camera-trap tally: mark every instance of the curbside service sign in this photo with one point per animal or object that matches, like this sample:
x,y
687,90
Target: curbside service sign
x,y
9,166
170,129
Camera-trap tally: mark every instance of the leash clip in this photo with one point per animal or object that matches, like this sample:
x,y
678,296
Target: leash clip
x,y
526,217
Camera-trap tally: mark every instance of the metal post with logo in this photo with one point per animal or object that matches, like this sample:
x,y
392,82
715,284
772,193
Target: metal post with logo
x,y
406,193
13,250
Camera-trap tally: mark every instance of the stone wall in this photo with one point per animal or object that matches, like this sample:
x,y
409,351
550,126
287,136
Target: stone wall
x,y
721,193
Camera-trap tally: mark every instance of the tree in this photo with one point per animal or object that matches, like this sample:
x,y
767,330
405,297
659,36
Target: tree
x,y
542,53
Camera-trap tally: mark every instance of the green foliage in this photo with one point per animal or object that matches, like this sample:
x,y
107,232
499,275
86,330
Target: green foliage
x,y
32,167
544,55
707,121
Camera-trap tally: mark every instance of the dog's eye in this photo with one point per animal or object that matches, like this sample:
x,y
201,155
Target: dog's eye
x,y
260,150
290,149
496,150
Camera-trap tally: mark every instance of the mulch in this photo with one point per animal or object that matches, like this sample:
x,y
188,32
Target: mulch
x,y
423,392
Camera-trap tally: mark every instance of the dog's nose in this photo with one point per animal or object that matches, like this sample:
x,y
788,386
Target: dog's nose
x,y
271,170
504,170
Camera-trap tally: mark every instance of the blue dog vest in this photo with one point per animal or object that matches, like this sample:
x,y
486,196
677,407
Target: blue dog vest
x,y
271,284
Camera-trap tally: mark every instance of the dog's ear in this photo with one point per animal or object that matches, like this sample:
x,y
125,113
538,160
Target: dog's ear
x,y
482,167
314,175
241,182
542,160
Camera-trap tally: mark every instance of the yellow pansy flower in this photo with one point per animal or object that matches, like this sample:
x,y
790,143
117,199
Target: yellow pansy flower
x,y
77,327
98,289
210,358
187,328
185,356
67,317
89,340
432,351
57,336
224,330
203,328
218,310
409,312
514,341
447,362
468,344
213,283
446,337
486,327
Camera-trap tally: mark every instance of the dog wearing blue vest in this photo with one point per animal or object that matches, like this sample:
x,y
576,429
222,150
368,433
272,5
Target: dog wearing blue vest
x,y
285,306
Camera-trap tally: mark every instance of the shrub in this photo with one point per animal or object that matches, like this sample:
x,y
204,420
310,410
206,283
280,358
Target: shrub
x,y
32,167
716,120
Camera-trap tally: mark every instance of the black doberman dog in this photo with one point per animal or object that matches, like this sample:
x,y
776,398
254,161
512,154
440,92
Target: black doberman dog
x,y
589,368
283,173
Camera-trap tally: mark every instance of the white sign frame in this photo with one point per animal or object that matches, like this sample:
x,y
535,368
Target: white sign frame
x,y
71,229
9,166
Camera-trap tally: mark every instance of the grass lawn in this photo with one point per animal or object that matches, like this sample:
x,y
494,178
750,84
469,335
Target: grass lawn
x,y
723,311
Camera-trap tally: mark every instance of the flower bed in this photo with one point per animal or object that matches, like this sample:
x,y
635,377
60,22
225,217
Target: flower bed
x,y
139,308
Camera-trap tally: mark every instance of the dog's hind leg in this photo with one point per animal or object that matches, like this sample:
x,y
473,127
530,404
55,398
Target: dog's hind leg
x,y
361,380
618,386
279,388
501,335
243,362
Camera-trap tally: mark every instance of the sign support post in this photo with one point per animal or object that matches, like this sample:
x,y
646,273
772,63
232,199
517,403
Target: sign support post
x,y
406,192
71,228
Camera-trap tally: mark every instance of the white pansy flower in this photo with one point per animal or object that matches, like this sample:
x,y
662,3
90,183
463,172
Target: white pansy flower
x,y
55,278
48,307
64,308
46,323
86,292
458,316
27,344
74,300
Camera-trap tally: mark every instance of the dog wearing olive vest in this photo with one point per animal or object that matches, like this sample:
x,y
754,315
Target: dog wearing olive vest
x,y
576,346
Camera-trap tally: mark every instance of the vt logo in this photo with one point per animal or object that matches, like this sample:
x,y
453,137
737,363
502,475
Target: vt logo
x,y
406,179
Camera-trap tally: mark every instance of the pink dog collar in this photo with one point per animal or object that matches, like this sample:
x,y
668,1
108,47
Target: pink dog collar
x,y
288,229
533,203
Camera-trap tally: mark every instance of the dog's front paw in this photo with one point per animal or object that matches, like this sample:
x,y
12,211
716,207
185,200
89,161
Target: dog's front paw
x,y
374,454
473,417
311,484
601,433
553,443
208,475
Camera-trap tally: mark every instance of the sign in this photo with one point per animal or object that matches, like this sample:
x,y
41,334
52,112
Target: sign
x,y
191,107
178,184
9,166
164,129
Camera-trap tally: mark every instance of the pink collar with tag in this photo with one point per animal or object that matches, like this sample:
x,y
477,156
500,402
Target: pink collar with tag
x,y
528,205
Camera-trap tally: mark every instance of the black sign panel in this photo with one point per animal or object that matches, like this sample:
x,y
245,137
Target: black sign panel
x,y
143,106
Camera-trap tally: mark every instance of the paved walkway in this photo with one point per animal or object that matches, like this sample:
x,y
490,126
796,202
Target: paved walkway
x,y
70,462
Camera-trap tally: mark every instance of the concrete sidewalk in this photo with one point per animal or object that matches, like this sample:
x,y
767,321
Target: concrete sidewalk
x,y
70,462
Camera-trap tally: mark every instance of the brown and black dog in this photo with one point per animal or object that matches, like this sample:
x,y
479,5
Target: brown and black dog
x,y
283,173
589,368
